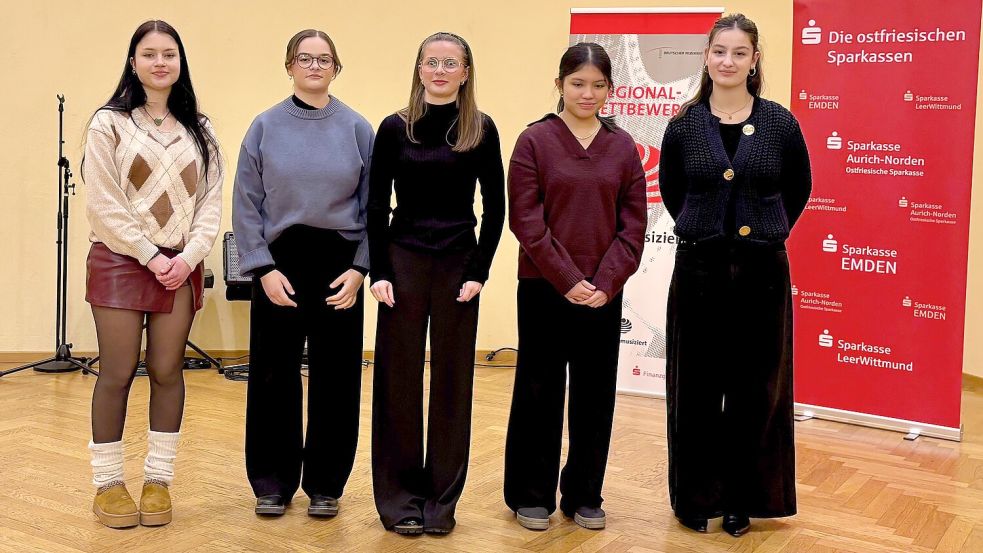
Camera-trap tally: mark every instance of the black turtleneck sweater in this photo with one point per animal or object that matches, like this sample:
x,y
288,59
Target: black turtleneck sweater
x,y
434,192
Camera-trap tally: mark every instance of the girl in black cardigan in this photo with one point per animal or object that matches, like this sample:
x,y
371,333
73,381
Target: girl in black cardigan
x,y
735,176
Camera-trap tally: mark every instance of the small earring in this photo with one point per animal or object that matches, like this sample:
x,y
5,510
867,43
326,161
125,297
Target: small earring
x,y
752,72
291,77
133,70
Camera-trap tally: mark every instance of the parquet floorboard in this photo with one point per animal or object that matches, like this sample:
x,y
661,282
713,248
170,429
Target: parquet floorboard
x,y
860,490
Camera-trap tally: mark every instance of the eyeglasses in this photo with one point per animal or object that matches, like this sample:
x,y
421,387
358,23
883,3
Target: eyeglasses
x,y
307,60
450,65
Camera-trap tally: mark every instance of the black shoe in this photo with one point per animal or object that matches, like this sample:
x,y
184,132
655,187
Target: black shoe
x,y
270,505
409,526
736,525
694,524
533,518
322,506
437,531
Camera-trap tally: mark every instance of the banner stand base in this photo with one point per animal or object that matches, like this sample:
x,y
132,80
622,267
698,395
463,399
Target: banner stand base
x,y
803,412
911,429
642,393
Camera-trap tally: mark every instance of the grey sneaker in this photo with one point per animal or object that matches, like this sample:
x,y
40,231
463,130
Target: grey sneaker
x,y
533,518
591,518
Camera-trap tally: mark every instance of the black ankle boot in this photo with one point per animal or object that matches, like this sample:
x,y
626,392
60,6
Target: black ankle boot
x,y
694,524
270,505
736,525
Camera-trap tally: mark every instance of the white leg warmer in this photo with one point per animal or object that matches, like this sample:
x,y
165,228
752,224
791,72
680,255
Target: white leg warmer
x,y
161,450
107,463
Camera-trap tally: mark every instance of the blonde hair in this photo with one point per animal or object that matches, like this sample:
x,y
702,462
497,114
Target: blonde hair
x,y
470,121
294,43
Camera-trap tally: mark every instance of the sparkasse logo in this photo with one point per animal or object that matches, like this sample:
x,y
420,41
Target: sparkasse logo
x,y
812,34
825,339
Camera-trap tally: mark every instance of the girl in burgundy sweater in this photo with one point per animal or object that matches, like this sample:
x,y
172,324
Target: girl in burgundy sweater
x,y
577,206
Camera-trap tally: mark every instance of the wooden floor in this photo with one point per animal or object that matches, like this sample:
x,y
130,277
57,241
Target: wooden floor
x,y
860,490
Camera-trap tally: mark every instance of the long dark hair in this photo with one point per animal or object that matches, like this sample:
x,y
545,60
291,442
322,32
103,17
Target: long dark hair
x,y
181,102
576,57
470,122
754,82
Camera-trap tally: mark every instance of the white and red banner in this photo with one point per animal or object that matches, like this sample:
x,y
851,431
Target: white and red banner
x,y
885,92
657,57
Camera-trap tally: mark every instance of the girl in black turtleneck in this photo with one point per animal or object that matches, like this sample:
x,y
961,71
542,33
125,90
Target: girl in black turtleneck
x,y
427,268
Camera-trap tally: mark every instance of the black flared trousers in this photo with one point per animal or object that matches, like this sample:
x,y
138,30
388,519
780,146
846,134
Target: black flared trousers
x,y
277,452
554,336
729,382
406,481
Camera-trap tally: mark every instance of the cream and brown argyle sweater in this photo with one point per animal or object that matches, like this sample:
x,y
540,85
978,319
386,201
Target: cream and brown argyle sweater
x,y
146,188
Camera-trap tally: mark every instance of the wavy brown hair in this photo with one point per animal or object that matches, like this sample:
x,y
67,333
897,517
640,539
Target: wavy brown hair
x,y
470,122
754,82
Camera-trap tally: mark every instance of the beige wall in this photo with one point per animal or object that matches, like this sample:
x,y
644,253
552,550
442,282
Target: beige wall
x,y
235,51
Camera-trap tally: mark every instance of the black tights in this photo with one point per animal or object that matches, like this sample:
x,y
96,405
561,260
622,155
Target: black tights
x,y
120,333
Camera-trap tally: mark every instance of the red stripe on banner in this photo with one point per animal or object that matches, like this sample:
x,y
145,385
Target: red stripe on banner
x,y
642,23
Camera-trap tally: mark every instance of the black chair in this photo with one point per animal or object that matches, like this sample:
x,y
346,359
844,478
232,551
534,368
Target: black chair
x,y
237,287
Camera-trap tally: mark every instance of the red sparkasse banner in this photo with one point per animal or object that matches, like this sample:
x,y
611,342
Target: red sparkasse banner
x,y
885,92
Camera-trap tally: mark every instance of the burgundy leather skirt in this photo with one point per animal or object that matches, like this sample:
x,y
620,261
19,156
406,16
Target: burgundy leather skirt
x,y
119,281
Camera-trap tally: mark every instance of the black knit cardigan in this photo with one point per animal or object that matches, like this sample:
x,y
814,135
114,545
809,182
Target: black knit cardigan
x,y
770,175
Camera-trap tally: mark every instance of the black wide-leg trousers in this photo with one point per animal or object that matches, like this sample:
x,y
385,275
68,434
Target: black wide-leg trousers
x,y
729,382
555,334
405,482
277,452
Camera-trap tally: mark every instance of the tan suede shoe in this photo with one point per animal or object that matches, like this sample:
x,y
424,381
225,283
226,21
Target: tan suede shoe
x,y
115,508
155,505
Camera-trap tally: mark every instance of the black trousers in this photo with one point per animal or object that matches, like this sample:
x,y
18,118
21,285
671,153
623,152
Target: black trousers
x,y
729,382
406,484
554,333
276,450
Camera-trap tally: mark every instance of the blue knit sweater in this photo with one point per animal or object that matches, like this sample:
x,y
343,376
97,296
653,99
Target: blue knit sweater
x,y
301,167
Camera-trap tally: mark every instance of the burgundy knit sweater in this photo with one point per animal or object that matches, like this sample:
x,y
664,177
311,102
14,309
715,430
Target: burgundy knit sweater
x,y
578,214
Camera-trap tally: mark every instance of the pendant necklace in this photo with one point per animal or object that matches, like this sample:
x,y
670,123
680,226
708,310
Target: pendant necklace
x,y
730,115
159,122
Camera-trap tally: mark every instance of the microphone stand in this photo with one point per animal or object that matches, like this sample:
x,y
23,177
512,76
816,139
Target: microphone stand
x,y
63,360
